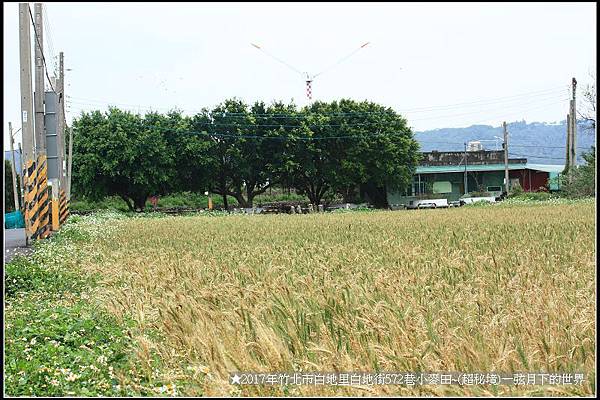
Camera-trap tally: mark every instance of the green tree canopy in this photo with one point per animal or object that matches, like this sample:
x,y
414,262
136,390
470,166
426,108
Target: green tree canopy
x,y
119,153
240,150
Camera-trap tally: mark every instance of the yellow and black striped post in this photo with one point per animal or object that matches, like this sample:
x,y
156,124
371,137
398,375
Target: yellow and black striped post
x,y
36,199
31,205
54,201
63,209
43,203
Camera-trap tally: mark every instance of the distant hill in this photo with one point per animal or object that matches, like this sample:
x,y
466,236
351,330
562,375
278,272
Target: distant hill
x,y
539,142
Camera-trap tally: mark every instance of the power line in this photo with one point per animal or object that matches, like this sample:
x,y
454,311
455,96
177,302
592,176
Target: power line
x,y
50,36
540,93
41,49
479,112
331,114
242,126
492,100
546,147
355,137
291,138
534,156
515,113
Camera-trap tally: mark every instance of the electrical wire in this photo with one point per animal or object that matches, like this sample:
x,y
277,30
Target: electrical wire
x,y
245,126
557,90
48,35
86,101
481,111
317,138
539,157
37,39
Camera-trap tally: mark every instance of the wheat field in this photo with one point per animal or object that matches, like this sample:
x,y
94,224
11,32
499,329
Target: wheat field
x,y
472,289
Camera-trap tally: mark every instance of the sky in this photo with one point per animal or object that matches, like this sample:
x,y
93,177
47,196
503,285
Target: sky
x,y
438,64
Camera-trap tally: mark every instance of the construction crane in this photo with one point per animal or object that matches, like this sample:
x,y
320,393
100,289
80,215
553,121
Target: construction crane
x,y
308,78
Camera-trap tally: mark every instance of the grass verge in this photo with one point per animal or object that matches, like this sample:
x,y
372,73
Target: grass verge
x,y
58,340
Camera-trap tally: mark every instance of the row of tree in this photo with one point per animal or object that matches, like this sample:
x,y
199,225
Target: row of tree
x,y
241,150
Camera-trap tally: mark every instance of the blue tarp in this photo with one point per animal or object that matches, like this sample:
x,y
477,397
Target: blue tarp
x,y
14,220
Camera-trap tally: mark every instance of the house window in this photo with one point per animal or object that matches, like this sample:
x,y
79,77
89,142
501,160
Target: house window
x,y
494,188
418,187
442,187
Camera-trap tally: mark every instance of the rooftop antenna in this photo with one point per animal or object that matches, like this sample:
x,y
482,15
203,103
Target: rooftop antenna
x,y
308,78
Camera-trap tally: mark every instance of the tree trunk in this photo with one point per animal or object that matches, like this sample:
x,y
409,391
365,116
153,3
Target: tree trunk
x,y
314,198
241,201
223,190
139,203
377,195
225,202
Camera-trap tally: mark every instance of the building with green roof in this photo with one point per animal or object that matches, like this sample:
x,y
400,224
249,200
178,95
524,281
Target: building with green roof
x,y
442,175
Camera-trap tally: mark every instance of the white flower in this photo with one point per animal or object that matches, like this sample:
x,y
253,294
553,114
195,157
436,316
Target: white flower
x,y
72,377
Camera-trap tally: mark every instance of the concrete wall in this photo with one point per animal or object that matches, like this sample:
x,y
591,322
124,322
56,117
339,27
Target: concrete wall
x,y
473,158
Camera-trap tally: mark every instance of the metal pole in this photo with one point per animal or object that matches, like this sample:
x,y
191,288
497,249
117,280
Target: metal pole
x,y
505,146
568,155
574,125
60,123
465,177
69,163
12,165
40,134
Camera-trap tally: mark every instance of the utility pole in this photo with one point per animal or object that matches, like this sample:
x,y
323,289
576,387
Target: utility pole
x,y
69,163
567,169
27,116
505,147
14,175
60,123
465,177
25,66
573,157
40,135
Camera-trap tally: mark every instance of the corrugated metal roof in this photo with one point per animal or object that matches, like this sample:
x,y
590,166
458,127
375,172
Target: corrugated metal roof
x,y
440,169
546,167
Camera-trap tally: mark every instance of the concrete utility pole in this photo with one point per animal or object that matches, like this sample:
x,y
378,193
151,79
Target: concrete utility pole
x,y
70,163
573,126
26,103
60,123
505,147
40,135
25,66
14,175
465,178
